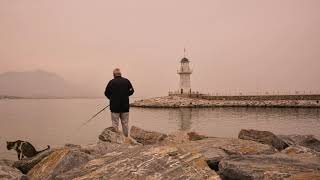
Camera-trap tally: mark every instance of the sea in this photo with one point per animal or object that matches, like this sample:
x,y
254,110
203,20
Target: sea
x,y
56,122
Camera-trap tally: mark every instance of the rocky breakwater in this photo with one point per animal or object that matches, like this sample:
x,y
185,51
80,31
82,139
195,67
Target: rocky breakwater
x,y
180,155
180,101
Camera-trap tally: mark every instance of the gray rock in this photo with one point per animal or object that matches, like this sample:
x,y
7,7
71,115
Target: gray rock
x,y
146,137
308,141
60,161
102,148
110,134
215,149
193,136
297,150
182,137
25,165
176,138
144,162
264,137
8,172
275,166
230,146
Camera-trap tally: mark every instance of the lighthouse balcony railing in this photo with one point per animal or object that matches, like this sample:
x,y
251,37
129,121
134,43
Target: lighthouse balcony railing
x,y
184,71
178,93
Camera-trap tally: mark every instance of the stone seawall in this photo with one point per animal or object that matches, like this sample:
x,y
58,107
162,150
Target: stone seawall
x,y
315,97
234,101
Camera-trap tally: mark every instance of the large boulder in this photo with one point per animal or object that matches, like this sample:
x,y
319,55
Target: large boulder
x,y
264,137
298,150
275,166
146,137
60,161
25,165
230,146
182,137
193,136
176,138
308,141
144,162
215,149
111,134
7,171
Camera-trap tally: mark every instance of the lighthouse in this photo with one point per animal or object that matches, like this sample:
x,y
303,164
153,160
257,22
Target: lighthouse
x,y
184,72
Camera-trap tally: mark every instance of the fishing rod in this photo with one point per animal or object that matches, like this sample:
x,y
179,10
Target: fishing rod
x,y
86,122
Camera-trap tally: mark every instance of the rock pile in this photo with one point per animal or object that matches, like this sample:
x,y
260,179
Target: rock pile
x,y
263,137
181,155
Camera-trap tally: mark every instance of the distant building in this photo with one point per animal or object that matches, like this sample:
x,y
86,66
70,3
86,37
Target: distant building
x,y
184,73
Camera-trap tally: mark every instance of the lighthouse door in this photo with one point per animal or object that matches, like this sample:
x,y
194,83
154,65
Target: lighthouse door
x,y
181,91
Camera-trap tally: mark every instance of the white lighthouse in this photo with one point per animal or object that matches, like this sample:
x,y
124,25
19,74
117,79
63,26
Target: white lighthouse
x,y
184,72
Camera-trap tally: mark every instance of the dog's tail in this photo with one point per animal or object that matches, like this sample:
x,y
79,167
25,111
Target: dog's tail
x,y
44,150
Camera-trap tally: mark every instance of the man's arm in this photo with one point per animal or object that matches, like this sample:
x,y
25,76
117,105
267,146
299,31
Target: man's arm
x,y
108,91
131,90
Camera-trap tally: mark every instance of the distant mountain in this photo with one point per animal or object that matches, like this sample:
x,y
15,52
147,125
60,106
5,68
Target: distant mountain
x,y
37,83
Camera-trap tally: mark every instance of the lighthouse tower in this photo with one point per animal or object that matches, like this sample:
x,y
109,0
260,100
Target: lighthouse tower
x,y
184,73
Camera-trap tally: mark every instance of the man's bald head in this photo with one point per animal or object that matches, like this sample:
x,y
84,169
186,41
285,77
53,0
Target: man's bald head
x,y
116,72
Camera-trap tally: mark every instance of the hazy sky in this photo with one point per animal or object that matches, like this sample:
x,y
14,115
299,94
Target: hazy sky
x,y
238,45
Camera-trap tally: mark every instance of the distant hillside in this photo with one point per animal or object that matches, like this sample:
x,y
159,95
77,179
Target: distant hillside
x,y
37,84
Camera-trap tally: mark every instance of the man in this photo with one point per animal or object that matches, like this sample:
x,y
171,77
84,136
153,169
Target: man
x,y
118,91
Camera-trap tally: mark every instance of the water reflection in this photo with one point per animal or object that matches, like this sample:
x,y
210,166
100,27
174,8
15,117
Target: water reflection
x,y
184,117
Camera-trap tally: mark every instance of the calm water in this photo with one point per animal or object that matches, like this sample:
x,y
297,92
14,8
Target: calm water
x,y
56,121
